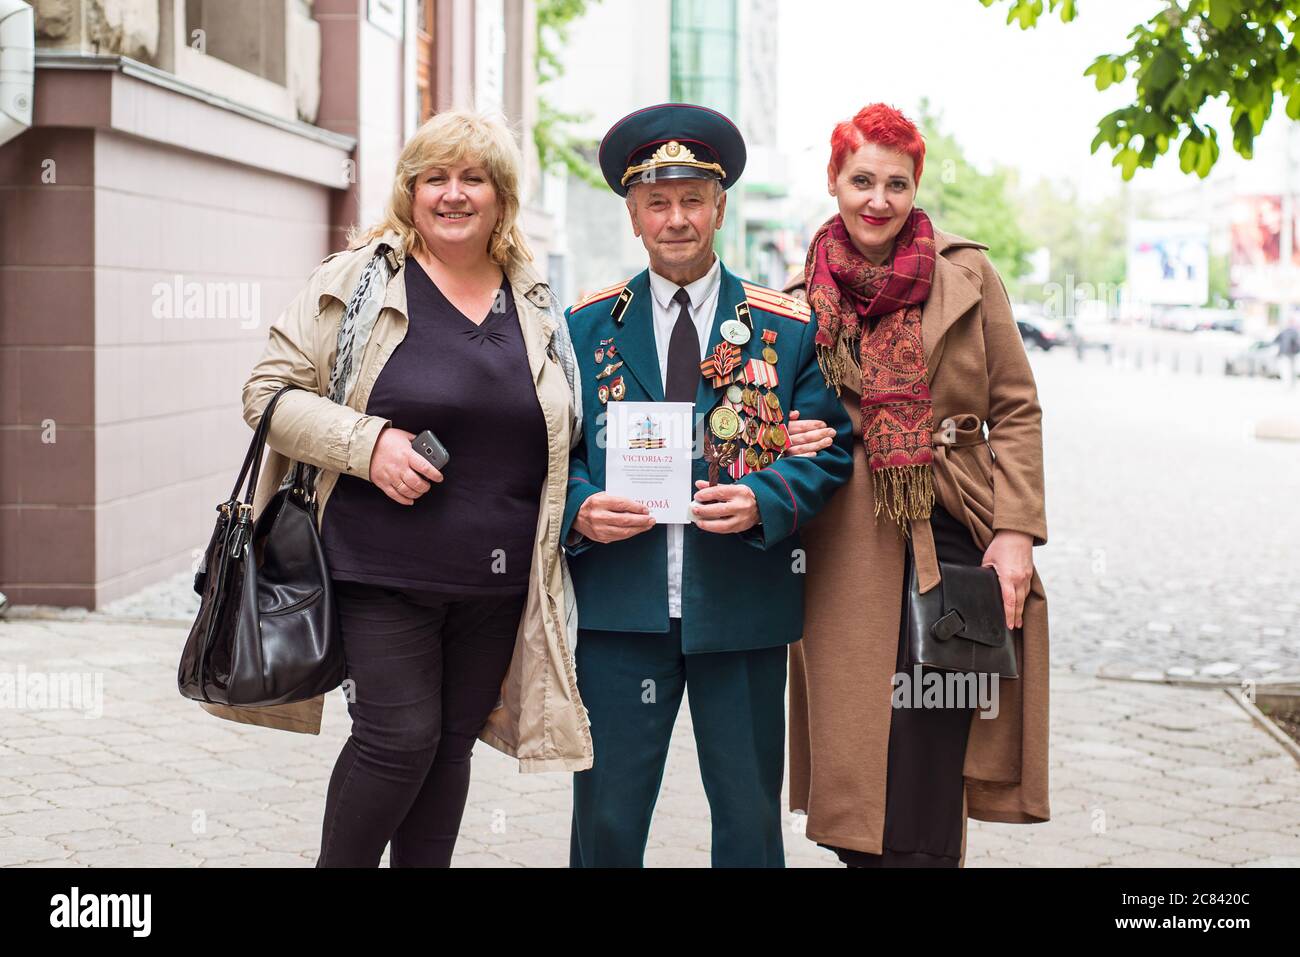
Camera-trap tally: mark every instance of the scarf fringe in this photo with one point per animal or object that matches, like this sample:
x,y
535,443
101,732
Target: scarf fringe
x,y
832,365
905,494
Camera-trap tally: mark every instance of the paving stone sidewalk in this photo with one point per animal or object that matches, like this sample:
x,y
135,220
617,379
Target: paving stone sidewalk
x,y
1171,544
1142,775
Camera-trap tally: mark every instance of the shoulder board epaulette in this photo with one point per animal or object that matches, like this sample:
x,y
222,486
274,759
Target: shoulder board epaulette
x,y
769,300
606,293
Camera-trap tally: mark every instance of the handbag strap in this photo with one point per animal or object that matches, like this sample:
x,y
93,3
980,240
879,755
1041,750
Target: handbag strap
x,y
253,446
253,458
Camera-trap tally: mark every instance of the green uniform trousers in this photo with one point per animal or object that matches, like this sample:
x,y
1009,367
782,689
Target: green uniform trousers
x,y
632,685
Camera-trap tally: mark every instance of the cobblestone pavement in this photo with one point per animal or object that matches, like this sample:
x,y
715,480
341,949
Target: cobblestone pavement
x,y
1142,774
1174,533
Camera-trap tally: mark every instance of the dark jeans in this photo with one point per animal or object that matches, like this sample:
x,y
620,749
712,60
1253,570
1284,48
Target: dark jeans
x,y
426,671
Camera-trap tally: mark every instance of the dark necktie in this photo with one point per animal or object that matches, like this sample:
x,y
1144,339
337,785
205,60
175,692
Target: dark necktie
x,y
683,355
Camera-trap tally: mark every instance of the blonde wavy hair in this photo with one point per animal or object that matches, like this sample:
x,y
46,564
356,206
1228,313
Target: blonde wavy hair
x,y
443,140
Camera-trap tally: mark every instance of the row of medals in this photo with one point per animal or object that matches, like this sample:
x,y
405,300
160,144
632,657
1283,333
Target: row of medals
x,y
750,415
746,428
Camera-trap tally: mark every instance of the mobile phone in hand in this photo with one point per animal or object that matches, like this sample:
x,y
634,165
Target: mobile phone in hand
x,y
431,450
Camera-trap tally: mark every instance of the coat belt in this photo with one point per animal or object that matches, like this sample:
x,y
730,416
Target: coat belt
x,y
955,432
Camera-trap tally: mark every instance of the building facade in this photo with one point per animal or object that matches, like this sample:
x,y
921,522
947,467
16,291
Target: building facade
x,y
189,163
717,53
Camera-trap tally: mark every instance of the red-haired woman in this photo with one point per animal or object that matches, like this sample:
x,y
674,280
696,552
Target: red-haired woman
x,y
915,332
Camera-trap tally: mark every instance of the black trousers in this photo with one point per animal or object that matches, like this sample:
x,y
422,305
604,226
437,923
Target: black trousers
x,y
924,787
425,672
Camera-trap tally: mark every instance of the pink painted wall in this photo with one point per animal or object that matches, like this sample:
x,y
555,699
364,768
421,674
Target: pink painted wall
x,y
151,187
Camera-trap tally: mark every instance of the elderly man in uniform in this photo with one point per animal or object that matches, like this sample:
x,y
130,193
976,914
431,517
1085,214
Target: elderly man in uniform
x,y
712,605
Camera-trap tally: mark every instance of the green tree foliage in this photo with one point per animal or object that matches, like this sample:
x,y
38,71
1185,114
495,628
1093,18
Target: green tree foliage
x,y
962,200
1189,54
558,149
1086,240
1220,280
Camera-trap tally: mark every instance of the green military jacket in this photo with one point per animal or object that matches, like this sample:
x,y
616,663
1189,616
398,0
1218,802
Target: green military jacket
x,y
740,591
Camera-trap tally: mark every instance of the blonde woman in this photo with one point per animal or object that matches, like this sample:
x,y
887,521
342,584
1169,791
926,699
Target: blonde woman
x,y
449,584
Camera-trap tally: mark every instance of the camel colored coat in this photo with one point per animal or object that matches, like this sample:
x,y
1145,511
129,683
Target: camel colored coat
x,y
840,673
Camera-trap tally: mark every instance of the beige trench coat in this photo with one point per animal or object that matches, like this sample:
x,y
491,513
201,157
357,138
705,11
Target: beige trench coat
x,y
540,719
840,673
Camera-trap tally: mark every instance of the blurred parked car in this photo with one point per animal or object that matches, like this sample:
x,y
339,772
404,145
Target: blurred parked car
x,y
1218,320
1042,333
1181,319
1261,359
1092,328
1190,319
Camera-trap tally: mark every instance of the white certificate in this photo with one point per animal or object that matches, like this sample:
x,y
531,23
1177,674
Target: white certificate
x,y
648,448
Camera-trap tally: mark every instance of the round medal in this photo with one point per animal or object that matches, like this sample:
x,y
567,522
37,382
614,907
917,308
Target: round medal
x,y
766,459
769,355
734,394
772,401
776,436
735,332
751,457
724,423
749,396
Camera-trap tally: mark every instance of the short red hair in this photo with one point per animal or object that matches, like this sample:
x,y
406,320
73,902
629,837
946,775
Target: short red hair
x,y
883,125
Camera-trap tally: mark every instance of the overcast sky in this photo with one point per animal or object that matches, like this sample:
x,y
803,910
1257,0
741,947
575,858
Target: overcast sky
x,y
1008,96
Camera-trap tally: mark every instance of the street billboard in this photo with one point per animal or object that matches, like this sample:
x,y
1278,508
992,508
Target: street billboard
x,y
1169,262
1257,270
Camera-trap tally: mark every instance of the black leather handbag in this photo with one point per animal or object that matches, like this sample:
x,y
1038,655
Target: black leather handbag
x,y
267,629
959,625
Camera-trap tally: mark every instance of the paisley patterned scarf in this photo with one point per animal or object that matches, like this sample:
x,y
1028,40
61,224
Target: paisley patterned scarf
x,y
846,291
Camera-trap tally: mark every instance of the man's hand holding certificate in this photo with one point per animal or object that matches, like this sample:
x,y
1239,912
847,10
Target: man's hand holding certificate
x,y
609,518
648,452
648,448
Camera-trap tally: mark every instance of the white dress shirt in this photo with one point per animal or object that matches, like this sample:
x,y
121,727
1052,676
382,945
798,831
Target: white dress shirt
x,y
704,303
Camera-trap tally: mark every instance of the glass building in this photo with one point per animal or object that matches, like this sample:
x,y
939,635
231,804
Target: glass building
x,y
704,68
703,65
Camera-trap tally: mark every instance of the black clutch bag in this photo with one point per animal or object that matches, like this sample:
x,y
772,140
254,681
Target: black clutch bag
x,y
266,631
959,625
